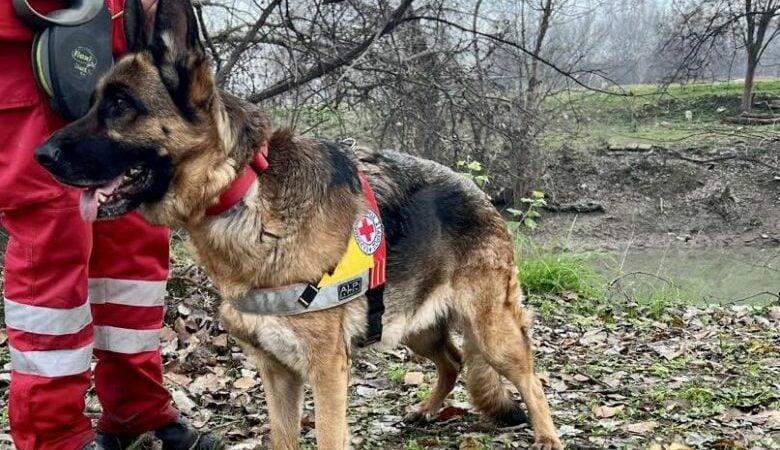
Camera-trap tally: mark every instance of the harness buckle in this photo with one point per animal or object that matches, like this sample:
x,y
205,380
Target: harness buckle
x,y
308,295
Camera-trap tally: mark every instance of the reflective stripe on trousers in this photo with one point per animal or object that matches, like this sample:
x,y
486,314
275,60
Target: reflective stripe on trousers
x,y
67,321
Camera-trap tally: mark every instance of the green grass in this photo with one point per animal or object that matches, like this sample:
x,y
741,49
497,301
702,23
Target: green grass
x,y
648,102
412,445
698,394
590,120
544,271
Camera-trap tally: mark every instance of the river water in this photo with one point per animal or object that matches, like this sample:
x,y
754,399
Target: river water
x,y
713,275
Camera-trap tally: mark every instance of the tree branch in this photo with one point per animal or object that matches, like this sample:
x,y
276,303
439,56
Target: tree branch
x,y
339,61
567,74
222,74
209,43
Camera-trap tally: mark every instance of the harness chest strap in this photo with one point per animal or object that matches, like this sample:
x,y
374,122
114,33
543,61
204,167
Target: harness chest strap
x,y
361,271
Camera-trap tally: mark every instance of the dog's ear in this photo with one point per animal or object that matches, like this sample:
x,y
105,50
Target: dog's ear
x,y
176,33
134,21
180,56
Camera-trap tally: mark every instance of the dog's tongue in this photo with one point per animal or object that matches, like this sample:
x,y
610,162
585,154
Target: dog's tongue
x,y
89,199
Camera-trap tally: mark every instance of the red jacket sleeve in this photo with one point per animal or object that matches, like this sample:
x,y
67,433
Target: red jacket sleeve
x,y
117,24
12,29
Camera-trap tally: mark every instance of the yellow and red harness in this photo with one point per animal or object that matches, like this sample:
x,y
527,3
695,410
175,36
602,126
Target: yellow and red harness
x,y
361,271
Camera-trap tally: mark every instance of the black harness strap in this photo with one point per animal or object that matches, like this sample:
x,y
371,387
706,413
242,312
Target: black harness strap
x,y
376,308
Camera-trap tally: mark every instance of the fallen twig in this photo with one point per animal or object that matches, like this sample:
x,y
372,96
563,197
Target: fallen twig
x,y
588,207
751,120
616,280
749,297
720,159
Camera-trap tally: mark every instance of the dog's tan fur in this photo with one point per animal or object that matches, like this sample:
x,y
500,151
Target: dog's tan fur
x,y
293,228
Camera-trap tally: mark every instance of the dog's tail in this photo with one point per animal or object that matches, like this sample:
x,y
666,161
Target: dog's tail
x,y
488,393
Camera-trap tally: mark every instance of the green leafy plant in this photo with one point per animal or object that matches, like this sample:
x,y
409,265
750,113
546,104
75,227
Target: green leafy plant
x,y
528,217
474,171
396,373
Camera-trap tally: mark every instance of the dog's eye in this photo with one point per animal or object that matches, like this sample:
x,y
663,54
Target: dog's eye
x,y
117,107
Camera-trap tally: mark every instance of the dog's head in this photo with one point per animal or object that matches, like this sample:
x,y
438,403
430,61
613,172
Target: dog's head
x,y
154,136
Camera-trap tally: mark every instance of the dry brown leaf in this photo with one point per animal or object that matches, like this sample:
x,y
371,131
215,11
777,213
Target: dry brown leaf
x,y
559,385
220,341
192,344
592,337
470,443
414,378
667,351
676,446
770,418
205,383
611,381
244,383
605,412
641,427
177,378
167,334
183,403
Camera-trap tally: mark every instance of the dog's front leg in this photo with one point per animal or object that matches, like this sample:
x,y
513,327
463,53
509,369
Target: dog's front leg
x,y
284,395
329,380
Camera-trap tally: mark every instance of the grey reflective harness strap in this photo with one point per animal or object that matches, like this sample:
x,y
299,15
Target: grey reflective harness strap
x,y
300,298
80,12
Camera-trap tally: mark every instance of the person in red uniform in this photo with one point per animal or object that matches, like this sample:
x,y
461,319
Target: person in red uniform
x,y
74,289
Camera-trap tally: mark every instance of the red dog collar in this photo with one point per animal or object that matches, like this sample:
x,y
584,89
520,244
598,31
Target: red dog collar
x,y
236,191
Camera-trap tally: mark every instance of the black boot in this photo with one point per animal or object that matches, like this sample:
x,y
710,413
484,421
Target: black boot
x,y
177,435
105,441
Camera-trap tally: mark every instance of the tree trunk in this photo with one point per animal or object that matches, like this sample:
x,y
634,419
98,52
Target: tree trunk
x,y
521,182
747,93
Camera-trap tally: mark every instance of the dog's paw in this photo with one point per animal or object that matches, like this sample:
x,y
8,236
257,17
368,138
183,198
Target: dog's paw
x,y
419,416
547,443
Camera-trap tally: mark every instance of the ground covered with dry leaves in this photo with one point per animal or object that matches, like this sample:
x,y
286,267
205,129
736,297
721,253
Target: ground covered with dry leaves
x,y
617,375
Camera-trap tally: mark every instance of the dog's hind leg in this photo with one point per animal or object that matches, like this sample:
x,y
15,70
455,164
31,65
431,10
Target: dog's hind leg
x,y
436,345
284,396
487,390
497,327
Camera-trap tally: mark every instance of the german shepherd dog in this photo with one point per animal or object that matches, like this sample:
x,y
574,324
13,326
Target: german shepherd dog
x,y
162,138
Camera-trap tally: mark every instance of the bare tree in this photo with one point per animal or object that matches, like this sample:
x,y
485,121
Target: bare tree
x,y
751,25
451,80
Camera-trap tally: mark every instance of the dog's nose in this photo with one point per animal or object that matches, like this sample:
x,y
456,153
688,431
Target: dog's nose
x,y
47,155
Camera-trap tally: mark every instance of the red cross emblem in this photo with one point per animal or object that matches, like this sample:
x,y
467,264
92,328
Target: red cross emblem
x,y
368,232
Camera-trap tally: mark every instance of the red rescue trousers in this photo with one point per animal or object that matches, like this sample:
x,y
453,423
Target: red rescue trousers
x,y
72,290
